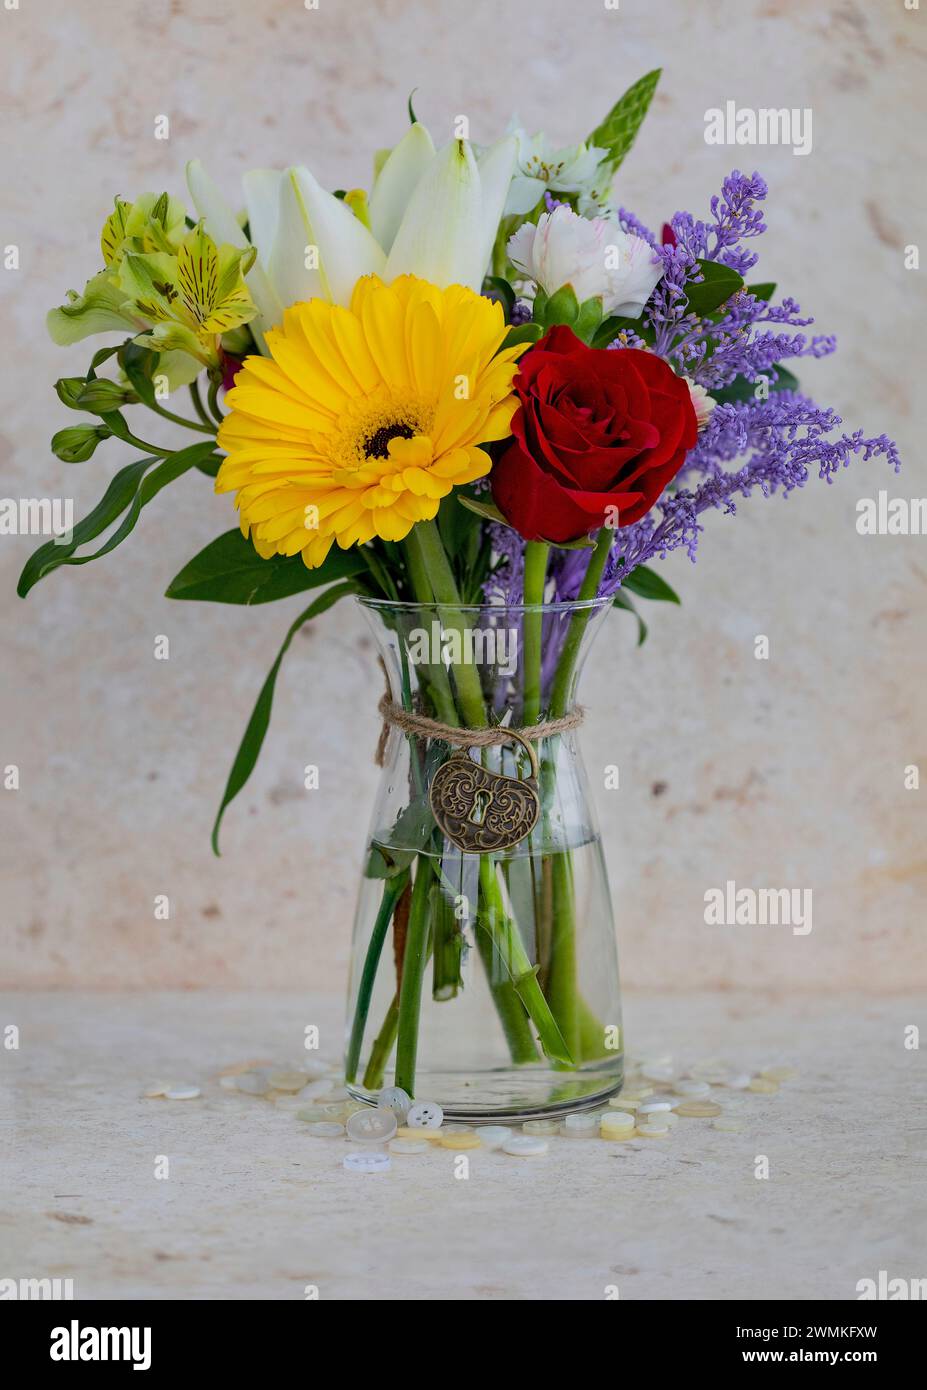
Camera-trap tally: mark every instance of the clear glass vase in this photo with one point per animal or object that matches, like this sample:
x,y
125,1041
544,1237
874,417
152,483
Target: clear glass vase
x,y
485,979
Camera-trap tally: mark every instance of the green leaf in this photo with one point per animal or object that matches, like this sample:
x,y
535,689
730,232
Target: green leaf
x,y
129,489
522,333
588,319
622,601
561,307
253,738
617,132
497,285
394,851
229,570
719,283
740,389
646,583
764,291
488,510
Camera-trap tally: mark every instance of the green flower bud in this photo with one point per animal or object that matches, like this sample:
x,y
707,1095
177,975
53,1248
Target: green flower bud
x,y
78,442
101,395
69,388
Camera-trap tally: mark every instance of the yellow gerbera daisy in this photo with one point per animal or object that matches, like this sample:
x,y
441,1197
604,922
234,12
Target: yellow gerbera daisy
x,y
362,419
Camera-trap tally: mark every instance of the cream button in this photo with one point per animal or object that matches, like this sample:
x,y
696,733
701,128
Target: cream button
x,y
616,1126
466,1140
396,1099
549,1126
428,1136
525,1146
763,1087
653,1131
698,1109
425,1114
408,1146
693,1089
367,1163
286,1081
371,1126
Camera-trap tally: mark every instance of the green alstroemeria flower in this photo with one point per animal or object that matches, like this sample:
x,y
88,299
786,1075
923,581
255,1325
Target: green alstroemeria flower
x,y
151,223
191,298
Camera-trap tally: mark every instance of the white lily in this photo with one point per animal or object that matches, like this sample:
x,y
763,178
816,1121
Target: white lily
x,y
434,215
542,168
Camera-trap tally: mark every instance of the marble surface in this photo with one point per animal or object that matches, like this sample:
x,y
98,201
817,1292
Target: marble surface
x,y
256,1208
787,772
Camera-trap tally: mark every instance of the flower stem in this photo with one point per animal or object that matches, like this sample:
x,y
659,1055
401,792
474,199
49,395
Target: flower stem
x,y
563,680
212,400
392,891
382,1047
181,420
414,960
198,404
536,553
444,587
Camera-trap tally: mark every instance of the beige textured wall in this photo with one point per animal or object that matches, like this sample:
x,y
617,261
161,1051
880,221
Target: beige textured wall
x,y
785,773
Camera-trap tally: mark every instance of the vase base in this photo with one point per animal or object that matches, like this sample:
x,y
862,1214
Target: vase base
x,y
516,1093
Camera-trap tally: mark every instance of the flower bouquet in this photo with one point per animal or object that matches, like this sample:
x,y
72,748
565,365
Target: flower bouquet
x,y
480,400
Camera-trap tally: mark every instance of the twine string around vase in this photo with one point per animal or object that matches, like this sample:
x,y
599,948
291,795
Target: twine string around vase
x,y
420,725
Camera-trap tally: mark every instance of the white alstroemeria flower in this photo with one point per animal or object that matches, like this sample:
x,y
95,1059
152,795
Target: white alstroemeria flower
x,y
431,214
541,169
594,255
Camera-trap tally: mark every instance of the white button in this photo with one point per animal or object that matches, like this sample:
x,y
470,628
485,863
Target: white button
x,y
316,1088
525,1146
494,1136
408,1146
580,1126
371,1126
654,1107
253,1083
737,1080
425,1114
658,1073
286,1081
396,1099
326,1129
183,1093
367,1163
696,1089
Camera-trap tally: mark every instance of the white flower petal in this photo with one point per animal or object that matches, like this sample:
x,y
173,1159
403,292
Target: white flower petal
x,y
397,181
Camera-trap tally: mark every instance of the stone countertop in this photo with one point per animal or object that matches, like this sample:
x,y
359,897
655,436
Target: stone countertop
x,y
255,1208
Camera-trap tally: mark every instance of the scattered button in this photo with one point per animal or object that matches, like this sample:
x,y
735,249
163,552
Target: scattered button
x,y
326,1129
525,1146
652,1131
312,1114
253,1083
430,1136
494,1136
581,1126
408,1146
467,1140
616,1125
456,1129
425,1114
763,1087
286,1081
371,1126
698,1109
658,1073
396,1099
654,1107
541,1127
183,1093
367,1163
737,1080
317,1088
694,1089
155,1092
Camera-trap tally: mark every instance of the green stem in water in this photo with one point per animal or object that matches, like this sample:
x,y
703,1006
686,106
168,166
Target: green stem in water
x,y
392,891
421,586
382,1047
415,957
562,982
536,553
563,680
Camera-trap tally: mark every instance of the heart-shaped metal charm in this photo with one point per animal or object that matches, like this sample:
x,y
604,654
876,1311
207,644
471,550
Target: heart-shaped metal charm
x,y
481,811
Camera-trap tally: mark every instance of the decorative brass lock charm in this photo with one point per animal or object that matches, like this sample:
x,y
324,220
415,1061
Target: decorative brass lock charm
x,y
482,811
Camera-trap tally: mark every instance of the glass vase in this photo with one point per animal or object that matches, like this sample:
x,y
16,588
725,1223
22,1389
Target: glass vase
x,y
484,971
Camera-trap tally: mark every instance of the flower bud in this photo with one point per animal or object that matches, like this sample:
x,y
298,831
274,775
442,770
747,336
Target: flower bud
x,y
68,389
100,396
78,442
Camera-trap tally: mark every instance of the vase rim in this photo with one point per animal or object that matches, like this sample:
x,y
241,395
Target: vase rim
x,y
389,605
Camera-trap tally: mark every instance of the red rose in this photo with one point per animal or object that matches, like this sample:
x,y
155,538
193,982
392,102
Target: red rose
x,y
596,429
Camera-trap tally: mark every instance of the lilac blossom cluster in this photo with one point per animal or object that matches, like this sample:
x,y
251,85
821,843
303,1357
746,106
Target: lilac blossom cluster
x,y
780,438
